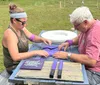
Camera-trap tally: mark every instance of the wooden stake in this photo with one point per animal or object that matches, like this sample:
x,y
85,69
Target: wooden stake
x,y
60,5
97,4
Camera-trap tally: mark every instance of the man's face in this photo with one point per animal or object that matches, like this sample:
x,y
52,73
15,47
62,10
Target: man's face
x,y
82,27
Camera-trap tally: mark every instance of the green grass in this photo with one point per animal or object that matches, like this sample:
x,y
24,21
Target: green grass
x,y
44,15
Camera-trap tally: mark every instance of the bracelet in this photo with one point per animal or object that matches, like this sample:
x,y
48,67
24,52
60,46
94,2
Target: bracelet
x,y
31,38
70,42
69,54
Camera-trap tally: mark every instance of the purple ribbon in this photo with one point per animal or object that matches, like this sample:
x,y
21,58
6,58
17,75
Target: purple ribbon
x,y
60,65
54,64
51,49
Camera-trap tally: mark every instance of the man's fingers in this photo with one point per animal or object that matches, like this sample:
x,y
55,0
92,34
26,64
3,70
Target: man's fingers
x,y
65,48
60,47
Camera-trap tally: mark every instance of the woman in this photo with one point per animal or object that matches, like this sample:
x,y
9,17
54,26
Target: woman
x,y
15,39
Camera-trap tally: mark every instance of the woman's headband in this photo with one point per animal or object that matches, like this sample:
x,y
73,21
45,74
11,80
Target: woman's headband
x,y
18,15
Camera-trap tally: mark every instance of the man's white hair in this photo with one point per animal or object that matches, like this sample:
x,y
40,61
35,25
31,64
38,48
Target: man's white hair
x,y
80,14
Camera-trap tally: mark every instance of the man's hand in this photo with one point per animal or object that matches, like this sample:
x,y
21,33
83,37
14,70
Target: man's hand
x,y
63,45
60,54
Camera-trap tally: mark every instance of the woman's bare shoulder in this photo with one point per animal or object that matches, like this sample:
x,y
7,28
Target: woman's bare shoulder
x,y
9,34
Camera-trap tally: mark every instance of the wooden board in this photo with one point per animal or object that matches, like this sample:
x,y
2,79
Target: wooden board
x,y
71,72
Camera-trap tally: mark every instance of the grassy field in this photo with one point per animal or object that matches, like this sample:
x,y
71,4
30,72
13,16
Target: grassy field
x,y
44,15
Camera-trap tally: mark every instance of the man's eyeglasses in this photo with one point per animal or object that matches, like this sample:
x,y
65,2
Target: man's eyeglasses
x,y
76,26
23,22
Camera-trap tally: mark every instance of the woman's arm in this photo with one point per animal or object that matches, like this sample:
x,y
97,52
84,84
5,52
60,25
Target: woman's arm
x,y
10,41
36,38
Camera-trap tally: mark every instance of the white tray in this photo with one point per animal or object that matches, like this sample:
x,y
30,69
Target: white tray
x,y
59,36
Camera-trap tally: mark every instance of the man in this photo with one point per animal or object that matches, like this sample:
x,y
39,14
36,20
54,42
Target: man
x,y
88,42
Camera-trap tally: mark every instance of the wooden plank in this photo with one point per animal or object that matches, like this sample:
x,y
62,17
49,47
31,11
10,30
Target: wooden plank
x,y
71,72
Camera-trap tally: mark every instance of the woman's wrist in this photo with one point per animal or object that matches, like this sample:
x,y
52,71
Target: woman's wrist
x,y
41,39
70,42
31,38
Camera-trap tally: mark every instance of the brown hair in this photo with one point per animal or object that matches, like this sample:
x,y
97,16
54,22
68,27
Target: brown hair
x,y
14,9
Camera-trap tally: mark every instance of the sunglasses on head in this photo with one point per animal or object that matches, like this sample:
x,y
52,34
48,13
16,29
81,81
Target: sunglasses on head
x,y
23,22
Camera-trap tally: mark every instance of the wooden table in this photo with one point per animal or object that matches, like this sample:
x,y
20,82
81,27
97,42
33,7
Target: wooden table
x,y
35,46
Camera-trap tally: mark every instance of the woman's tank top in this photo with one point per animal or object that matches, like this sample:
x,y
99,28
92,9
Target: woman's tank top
x,y
22,47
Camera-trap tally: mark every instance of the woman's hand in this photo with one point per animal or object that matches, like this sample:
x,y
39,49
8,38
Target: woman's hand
x,y
60,54
46,41
42,53
63,46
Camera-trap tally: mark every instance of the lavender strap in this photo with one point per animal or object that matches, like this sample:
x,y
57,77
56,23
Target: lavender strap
x,y
52,72
51,49
60,65
70,42
54,64
31,38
